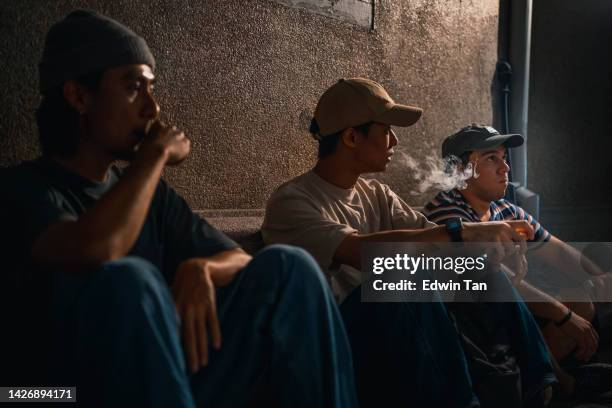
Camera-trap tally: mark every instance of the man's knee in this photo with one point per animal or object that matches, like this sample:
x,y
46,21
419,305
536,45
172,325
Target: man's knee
x,y
287,253
291,265
128,276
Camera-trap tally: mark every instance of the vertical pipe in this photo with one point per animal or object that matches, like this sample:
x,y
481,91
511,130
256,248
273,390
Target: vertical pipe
x,y
519,55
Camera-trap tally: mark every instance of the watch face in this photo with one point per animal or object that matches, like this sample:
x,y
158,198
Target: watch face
x,y
454,227
453,224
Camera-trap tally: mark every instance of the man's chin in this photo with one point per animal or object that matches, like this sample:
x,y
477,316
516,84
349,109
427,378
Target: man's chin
x,y
128,153
498,196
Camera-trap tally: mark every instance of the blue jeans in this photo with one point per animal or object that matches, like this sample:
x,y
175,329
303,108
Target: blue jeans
x,y
406,354
283,339
409,354
524,335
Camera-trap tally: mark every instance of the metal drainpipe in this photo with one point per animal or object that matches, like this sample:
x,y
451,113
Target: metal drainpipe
x,y
515,47
519,55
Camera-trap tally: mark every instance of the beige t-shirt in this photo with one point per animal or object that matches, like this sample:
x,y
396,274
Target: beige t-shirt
x,y
316,215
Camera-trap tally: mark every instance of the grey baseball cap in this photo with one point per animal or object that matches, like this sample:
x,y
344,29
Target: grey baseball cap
x,y
84,42
478,137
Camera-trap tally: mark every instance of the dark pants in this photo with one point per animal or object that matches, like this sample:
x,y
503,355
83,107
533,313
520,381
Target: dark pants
x,y
409,354
283,340
525,338
406,355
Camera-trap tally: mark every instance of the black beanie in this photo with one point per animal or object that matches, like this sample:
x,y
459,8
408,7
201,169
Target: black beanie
x,y
85,42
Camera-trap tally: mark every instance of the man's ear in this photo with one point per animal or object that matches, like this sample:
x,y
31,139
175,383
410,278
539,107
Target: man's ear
x,y
349,137
77,96
472,161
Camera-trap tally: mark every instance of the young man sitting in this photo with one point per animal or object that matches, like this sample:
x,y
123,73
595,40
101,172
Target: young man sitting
x,y
566,326
405,353
137,300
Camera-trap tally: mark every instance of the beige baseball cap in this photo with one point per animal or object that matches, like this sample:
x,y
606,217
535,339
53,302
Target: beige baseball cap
x,y
356,101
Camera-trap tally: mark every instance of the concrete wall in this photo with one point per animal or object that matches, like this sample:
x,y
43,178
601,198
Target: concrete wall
x,y
570,136
242,77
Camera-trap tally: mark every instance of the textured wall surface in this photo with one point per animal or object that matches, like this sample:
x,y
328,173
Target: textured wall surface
x,y
241,77
570,137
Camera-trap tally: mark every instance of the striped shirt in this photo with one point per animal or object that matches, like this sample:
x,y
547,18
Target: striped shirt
x,y
451,204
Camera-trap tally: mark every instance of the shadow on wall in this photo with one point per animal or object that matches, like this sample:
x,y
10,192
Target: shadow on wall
x,y
569,113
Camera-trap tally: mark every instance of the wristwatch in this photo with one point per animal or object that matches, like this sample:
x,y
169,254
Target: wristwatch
x,y
454,226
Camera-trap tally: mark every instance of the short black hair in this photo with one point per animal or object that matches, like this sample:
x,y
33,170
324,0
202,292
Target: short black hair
x,y
57,120
329,143
465,157
451,162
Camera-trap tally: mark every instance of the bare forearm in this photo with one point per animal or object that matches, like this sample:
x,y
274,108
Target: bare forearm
x,y
566,259
435,234
117,218
225,265
349,251
571,257
540,303
108,229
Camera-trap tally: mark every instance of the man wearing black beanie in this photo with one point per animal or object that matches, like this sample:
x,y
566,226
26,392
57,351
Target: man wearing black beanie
x,y
138,290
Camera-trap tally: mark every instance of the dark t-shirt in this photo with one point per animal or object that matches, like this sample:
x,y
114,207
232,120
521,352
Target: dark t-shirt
x,y
34,195
40,192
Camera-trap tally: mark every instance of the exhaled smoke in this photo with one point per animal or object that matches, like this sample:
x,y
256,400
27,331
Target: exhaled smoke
x,y
435,173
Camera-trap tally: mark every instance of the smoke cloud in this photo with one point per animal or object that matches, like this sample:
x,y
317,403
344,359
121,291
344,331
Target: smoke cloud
x,y
435,173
